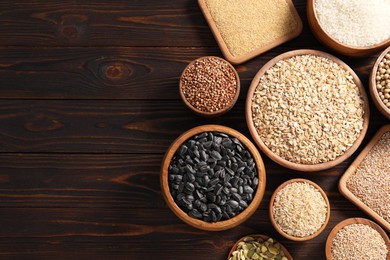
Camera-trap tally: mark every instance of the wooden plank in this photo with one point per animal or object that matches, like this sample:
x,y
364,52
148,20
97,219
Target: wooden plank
x,y
97,126
92,231
98,23
115,181
119,23
116,73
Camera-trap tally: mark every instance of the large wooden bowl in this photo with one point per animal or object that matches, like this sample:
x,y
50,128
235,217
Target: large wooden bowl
x,y
374,92
335,45
220,225
218,112
276,158
352,169
346,222
276,226
261,238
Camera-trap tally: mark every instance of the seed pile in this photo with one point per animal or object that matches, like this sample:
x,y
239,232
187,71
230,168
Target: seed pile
x,y
248,25
371,180
299,209
307,109
358,242
212,177
355,22
209,84
251,248
383,80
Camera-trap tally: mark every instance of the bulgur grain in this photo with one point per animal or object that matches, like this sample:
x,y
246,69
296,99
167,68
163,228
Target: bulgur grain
x,y
247,25
307,109
371,181
358,241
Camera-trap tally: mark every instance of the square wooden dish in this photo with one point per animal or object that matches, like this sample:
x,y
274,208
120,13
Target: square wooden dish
x,y
343,181
251,54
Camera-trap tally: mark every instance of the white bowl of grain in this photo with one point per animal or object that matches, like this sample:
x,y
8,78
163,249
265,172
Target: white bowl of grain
x,y
299,209
351,27
307,110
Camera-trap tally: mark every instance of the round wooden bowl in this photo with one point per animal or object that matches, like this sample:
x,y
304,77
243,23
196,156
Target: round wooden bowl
x,y
220,225
276,158
330,42
349,221
373,91
260,238
218,112
276,226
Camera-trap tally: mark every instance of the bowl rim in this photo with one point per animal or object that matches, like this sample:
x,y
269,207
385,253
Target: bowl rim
x,y
220,225
372,85
218,112
250,55
273,221
263,238
276,158
329,41
349,221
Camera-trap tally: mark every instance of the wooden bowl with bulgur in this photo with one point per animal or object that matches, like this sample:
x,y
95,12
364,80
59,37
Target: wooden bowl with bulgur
x,y
307,110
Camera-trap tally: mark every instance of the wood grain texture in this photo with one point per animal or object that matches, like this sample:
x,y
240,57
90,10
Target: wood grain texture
x,y
92,229
89,103
99,23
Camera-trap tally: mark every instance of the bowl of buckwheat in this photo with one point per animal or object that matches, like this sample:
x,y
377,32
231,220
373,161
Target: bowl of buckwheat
x,y
380,83
307,110
212,177
209,86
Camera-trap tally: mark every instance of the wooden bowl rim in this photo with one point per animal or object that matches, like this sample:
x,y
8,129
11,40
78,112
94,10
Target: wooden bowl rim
x,y
218,112
352,168
276,226
373,91
276,158
349,221
220,225
340,47
263,238
245,57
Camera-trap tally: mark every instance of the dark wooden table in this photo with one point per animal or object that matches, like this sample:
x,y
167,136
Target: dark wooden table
x,y
89,104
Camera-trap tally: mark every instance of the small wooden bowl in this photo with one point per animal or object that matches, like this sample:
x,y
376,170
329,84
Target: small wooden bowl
x,y
218,112
276,226
276,158
245,57
261,238
346,222
220,225
352,168
330,42
373,91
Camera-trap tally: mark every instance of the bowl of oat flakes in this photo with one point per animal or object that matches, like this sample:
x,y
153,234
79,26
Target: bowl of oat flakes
x,y
307,110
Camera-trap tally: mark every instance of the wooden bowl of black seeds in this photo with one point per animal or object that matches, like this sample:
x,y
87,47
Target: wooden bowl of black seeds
x,y
209,86
213,177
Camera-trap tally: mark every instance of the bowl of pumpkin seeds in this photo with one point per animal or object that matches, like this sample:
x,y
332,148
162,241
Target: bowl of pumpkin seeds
x,y
258,247
213,177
